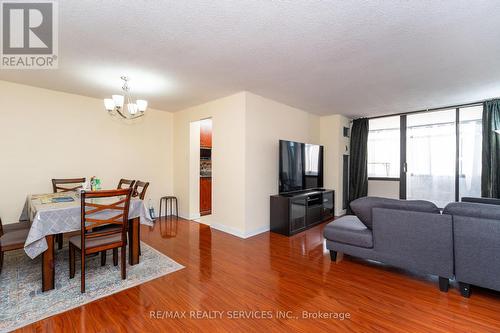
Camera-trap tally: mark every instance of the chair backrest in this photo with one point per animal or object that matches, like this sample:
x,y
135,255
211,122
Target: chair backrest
x,y
1,227
94,214
140,189
69,184
125,183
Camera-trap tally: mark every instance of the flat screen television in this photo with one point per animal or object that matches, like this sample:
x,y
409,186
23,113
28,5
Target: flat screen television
x,y
300,166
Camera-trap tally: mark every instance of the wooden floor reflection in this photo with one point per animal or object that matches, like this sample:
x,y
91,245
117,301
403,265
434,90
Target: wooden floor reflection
x,y
267,273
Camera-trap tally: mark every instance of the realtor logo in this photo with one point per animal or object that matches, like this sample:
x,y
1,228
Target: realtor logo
x,y
29,35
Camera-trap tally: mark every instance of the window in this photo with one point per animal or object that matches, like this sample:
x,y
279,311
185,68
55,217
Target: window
x,y
441,153
469,158
383,147
431,156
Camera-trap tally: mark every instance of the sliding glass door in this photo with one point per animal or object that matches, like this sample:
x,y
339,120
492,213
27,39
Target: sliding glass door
x,y
470,149
438,153
430,156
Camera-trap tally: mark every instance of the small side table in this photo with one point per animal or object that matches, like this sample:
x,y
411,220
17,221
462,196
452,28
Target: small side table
x,y
169,200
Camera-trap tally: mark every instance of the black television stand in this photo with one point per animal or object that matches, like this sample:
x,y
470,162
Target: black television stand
x,y
298,211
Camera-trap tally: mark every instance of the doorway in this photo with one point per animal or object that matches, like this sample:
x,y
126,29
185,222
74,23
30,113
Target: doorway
x,y
205,167
200,170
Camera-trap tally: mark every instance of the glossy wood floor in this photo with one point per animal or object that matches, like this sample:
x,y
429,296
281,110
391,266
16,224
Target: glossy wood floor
x,y
270,272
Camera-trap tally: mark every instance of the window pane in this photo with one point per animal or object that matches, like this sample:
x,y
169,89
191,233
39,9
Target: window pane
x,y
470,151
431,142
383,147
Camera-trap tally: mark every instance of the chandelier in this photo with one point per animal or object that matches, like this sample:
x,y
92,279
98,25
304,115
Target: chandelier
x,y
134,108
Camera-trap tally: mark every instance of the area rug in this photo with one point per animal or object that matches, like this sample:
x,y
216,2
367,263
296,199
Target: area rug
x,y
22,301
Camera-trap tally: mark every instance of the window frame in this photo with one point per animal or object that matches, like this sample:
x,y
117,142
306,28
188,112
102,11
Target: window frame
x,y
403,148
388,178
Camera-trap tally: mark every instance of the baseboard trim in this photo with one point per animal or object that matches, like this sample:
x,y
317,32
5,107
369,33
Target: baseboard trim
x,y
195,217
237,232
182,216
228,230
257,231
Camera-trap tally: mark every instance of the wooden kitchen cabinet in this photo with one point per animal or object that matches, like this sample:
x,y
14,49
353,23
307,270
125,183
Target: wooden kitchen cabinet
x,y
205,195
206,133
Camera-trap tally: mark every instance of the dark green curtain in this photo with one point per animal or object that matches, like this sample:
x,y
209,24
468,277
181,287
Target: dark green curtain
x,y
490,176
358,161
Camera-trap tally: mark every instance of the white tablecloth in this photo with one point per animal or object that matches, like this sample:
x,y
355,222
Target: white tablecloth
x,y
53,218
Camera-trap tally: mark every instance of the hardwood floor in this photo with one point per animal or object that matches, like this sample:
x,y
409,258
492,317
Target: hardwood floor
x,y
270,272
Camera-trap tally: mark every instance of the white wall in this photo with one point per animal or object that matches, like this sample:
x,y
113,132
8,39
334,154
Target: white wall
x,y
46,134
228,161
335,145
267,122
383,188
246,131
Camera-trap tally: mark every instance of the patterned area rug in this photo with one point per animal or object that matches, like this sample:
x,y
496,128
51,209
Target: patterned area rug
x,y
22,301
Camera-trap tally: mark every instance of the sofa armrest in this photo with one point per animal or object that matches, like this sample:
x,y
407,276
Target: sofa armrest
x,y
476,251
415,240
470,209
489,201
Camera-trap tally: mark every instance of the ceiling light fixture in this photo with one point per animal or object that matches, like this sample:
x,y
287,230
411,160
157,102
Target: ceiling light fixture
x,y
115,104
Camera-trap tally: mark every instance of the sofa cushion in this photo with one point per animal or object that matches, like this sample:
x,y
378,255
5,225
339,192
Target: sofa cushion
x,y
469,209
362,207
349,230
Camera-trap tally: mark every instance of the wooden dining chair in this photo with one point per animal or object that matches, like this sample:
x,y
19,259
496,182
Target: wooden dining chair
x,y
91,240
65,185
68,184
125,183
140,189
12,237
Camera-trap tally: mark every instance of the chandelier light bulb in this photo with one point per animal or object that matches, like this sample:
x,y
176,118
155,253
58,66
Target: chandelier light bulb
x,y
109,104
132,108
118,100
142,105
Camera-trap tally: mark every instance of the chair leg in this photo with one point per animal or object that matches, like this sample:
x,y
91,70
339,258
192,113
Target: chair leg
x,y
444,284
176,209
124,263
71,261
333,255
464,289
1,261
83,273
115,256
59,238
159,214
103,257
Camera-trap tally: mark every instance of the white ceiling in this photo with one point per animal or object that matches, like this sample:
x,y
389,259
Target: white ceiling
x,y
357,58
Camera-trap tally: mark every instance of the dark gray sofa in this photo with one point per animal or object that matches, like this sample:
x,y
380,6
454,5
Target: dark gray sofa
x,y
476,229
413,235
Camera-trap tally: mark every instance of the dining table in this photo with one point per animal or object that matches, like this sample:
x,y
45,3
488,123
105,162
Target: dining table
x,y
56,213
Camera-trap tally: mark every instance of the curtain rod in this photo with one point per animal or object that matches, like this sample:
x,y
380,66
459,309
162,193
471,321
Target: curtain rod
x,y
433,109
